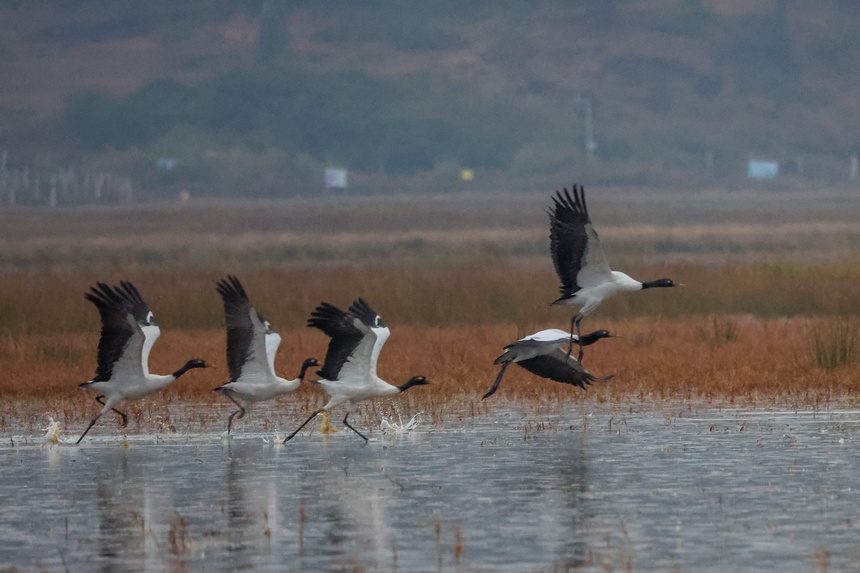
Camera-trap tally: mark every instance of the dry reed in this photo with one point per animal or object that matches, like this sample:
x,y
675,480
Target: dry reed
x,y
835,343
655,361
460,293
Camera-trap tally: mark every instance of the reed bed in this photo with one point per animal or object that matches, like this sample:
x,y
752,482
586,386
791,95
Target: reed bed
x,y
656,363
485,292
769,314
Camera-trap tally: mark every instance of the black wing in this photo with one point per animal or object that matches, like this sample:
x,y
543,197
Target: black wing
x,y
114,308
345,336
362,311
567,371
241,329
135,303
576,251
568,237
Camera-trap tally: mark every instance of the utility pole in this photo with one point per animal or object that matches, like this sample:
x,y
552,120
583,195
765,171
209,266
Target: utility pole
x,y
590,143
4,179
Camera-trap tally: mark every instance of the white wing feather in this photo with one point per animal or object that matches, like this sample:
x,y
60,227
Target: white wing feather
x,y
273,342
361,364
134,361
382,335
258,366
595,270
550,335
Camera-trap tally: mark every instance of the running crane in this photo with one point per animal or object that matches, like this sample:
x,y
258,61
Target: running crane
x,y
349,371
129,331
251,348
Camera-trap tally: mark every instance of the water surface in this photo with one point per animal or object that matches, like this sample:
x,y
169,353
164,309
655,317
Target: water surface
x,y
712,491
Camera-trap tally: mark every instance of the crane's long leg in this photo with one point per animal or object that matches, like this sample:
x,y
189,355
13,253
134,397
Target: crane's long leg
x,y
574,326
101,400
99,415
579,338
240,411
345,423
498,381
312,416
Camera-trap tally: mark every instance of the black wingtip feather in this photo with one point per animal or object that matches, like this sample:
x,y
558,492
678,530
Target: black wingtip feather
x,y
569,237
133,300
234,295
131,292
325,317
114,305
231,288
567,208
105,298
363,312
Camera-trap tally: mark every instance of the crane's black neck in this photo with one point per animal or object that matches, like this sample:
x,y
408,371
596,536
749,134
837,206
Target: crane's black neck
x,y
196,363
593,337
305,365
659,283
414,381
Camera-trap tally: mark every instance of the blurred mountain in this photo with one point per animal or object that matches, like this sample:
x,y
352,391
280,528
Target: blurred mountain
x,y
257,97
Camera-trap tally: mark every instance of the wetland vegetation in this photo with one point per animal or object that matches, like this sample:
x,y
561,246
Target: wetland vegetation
x,y
770,313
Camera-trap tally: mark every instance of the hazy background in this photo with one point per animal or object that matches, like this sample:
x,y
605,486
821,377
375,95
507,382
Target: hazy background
x,y
104,100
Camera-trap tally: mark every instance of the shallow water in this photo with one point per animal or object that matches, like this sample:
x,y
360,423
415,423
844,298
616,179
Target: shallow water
x,y
715,491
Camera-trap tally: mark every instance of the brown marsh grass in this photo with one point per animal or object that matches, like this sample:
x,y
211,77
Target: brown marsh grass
x,y
483,292
835,343
656,362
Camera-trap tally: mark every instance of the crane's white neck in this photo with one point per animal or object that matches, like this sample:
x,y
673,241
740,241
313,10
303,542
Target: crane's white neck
x,y
624,282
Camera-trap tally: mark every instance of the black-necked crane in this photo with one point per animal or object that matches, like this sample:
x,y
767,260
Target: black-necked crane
x,y
128,332
349,371
251,348
543,353
586,279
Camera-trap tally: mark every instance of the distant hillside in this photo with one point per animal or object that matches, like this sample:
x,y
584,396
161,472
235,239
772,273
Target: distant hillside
x,y
257,97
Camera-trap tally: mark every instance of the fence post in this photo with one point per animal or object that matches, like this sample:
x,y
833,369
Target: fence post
x,y
126,190
13,188
37,187
52,198
4,178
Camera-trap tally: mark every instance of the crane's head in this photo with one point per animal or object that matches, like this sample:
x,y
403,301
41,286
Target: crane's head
x,y
193,363
414,381
593,337
308,363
